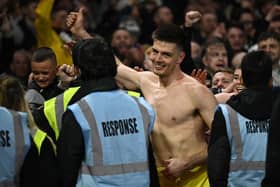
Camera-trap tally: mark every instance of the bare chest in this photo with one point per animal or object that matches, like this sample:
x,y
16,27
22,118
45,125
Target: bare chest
x,y
172,106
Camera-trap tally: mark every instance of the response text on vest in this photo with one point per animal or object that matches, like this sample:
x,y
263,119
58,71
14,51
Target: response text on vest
x,y
4,138
119,127
254,126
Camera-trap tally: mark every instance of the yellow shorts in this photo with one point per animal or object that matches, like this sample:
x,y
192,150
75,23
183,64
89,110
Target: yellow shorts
x,y
197,177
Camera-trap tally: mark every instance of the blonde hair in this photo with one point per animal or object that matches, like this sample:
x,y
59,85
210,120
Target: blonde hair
x,y
12,97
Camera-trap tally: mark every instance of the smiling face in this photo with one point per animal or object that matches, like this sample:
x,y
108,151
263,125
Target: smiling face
x,y
44,72
237,78
216,58
165,57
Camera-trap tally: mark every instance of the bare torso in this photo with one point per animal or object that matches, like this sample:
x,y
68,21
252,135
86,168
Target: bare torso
x,y
179,130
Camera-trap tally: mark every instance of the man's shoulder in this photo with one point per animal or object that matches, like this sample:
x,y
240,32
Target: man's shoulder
x,y
223,97
193,84
148,75
148,79
197,91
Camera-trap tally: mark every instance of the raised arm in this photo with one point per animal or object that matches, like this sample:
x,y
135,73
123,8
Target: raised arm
x,y
128,77
43,21
191,17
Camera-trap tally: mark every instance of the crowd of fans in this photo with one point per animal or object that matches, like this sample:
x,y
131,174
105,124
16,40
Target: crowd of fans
x,y
128,25
36,41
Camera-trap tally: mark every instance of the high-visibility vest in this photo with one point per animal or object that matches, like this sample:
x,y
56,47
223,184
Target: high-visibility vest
x,y
15,143
55,107
248,142
115,128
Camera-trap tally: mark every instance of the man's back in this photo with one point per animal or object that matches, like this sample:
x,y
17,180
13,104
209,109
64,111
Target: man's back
x,y
113,123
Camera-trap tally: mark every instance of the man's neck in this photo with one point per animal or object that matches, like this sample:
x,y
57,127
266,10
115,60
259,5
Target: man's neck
x,y
167,81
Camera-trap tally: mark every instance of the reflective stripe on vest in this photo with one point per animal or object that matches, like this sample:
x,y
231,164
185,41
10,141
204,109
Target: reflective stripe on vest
x,y
19,139
55,107
99,169
15,147
239,163
145,116
133,93
38,137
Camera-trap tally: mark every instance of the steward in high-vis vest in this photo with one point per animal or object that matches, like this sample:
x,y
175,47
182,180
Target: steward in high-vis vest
x,y
55,107
24,160
104,139
121,128
14,144
238,140
248,142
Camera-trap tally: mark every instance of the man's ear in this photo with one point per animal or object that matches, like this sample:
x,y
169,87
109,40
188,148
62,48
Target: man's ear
x,y
181,57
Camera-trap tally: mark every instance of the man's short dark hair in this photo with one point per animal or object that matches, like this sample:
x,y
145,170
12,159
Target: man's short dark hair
x,y
269,35
170,33
43,53
95,59
256,69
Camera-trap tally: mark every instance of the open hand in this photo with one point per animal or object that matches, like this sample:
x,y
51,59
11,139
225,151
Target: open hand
x,y
199,75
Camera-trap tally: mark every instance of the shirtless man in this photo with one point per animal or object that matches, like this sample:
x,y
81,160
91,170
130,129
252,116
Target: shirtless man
x,y
184,107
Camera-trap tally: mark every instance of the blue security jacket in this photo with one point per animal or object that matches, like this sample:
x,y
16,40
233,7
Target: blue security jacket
x,y
248,141
115,128
14,144
253,104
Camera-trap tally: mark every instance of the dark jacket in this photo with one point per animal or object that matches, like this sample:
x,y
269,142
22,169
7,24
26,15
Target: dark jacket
x,y
272,175
75,152
39,170
49,92
40,118
253,104
38,112
188,64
